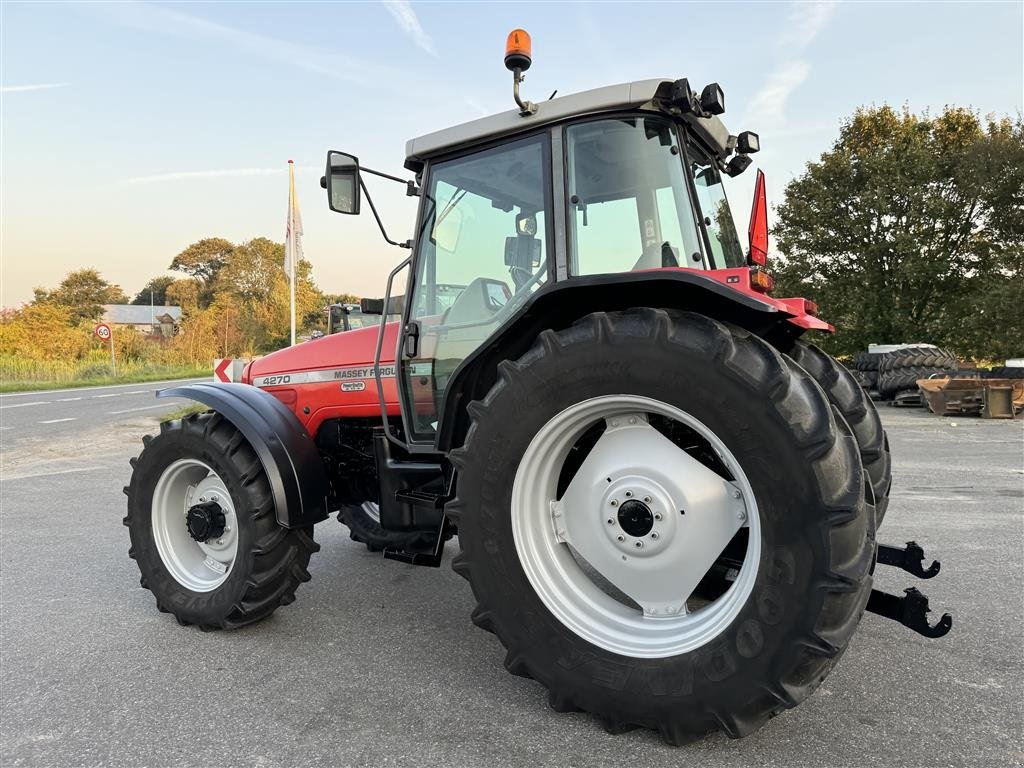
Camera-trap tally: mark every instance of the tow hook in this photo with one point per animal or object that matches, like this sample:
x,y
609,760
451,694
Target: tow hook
x,y
912,609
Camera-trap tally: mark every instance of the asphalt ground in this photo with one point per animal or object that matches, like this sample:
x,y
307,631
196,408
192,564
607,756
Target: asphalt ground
x,y
376,663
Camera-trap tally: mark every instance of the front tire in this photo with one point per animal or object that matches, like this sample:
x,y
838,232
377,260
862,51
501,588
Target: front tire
x,y
794,467
203,528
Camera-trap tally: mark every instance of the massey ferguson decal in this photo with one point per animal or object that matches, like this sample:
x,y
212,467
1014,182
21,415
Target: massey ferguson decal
x,y
355,376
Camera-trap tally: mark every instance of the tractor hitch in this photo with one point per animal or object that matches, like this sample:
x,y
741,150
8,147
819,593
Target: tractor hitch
x,y
912,609
910,559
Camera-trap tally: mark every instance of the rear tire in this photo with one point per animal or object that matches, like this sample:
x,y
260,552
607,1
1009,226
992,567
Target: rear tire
x,y
853,403
809,585
263,563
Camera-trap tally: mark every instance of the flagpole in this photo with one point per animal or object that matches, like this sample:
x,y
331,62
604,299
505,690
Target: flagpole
x,y
292,288
291,245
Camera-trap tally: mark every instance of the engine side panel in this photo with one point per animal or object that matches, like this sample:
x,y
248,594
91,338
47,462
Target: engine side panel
x,y
331,377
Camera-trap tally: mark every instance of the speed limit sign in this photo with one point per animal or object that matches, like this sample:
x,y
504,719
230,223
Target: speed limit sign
x,y
102,331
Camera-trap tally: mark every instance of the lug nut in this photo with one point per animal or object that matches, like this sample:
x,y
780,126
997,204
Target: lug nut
x,y
614,502
611,521
629,493
620,537
653,535
639,544
736,493
647,499
657,515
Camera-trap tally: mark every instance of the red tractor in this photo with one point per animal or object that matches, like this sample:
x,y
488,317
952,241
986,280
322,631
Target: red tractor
x,y
665,499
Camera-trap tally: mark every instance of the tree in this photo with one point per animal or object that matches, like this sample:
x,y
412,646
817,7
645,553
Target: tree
x,y
253,282
910,229
203,261
155,291
83,292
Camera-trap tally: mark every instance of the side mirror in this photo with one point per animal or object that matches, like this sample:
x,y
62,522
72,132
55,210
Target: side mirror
x,y
396,304
342,182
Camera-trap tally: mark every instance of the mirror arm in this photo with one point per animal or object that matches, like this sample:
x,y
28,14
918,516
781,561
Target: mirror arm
x,y
366,194
410,186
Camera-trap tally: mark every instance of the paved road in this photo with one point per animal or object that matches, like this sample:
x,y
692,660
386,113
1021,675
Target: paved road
x,y
376,663
26,415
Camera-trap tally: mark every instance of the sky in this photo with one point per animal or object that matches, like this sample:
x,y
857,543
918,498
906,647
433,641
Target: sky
x,y
130,130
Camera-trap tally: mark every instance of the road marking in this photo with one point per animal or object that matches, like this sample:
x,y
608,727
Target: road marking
x,y
139,392
112,394
47,473
67,399
22,405
57,421
145,408
154,384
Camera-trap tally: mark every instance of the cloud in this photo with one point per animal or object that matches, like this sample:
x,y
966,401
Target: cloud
x,y
769,103
157,19
190,175
402,12
39,87
806,20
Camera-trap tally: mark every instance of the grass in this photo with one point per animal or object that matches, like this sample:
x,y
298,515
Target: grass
x,y
184,411
16,376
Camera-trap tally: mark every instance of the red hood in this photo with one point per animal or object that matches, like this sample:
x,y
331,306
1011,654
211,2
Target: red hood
x,y
356,347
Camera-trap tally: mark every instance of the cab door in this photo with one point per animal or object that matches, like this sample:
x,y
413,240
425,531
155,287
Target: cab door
x,y
483,247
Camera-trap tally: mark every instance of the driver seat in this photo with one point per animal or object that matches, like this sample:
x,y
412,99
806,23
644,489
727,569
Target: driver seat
x,y
655,258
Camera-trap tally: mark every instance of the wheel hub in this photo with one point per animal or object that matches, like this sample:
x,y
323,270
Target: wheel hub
x,y
205,521
636,518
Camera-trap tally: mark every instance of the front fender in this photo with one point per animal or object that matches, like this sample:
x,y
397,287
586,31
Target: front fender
x,y
289,457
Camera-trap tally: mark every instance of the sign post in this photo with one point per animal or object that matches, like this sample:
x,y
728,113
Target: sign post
x,y
103,333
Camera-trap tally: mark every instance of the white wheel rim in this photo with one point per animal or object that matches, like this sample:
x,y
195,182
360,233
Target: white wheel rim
x,y
199,566
658,577
372,510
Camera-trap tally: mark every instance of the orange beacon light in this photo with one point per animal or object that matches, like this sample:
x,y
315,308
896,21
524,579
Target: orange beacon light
x,y
518,50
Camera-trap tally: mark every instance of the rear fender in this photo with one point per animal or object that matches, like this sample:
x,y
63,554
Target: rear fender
x,y
559,305
289,457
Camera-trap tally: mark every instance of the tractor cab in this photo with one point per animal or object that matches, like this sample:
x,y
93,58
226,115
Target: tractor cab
x,y
581,190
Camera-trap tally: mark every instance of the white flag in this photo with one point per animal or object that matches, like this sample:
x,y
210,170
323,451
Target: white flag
x,y
293,233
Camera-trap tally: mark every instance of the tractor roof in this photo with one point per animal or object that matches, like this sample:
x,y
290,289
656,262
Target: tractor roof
x,y
642,94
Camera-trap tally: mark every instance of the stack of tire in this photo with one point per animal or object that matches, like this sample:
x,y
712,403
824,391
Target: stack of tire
x,y
1005,372
865,369
899,370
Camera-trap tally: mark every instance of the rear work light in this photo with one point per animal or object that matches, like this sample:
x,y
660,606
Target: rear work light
x,y
811,307
761,281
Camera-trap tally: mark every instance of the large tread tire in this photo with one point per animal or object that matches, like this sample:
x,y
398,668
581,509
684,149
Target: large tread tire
x,y
918,357
1005,372
853,403
867,361
364,529
271,562
900,369
803,464
892,382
